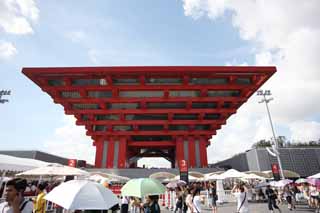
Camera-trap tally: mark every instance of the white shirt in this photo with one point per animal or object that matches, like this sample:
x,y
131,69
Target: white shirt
x,y
240,197
196,204
5,208
188,202
125,200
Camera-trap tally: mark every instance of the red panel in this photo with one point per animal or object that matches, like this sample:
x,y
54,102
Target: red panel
x,y
179,149
99,150
122,153
110,154
203,152
192,152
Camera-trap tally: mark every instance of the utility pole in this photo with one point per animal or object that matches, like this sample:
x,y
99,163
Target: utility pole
x,y
276,145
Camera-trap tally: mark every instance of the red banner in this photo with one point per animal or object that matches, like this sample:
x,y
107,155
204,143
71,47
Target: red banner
x,y
275,171
72,162
275,168
183,165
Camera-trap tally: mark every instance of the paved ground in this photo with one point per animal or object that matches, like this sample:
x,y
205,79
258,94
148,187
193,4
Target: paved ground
x,y
254,208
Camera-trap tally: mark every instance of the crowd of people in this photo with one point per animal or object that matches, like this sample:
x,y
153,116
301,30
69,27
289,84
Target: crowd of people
x,y
188,198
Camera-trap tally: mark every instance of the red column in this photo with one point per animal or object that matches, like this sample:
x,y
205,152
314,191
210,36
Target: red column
x,y
122,161
110,154
99,149
179,150
203,152
192,152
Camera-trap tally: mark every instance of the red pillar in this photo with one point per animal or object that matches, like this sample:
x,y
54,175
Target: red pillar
x,y
122,161
110,154
179,150
99,149
203,152
192,152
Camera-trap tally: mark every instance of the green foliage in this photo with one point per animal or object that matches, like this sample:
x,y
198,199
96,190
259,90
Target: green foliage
x,y
283,142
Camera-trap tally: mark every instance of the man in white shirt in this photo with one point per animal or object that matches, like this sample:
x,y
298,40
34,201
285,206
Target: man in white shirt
x,y
15,202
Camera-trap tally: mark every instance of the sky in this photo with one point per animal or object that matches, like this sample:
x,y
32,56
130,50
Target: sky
x,y
281,33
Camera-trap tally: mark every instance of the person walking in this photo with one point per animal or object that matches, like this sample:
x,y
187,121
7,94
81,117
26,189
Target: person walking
x,y
197,201
124,204
40,204
271,195
189,200
214,197
154,205
289,197
241,193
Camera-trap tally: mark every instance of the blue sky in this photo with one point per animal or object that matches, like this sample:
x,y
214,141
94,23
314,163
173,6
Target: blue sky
x,y
166,32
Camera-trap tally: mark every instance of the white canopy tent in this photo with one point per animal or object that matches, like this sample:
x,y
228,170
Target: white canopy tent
x,y
316,176
15,164
54,170
232,173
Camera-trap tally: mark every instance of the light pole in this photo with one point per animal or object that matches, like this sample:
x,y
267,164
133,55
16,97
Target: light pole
x,y
276,147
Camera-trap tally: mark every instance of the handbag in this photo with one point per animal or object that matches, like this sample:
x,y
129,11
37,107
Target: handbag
x,y
245,195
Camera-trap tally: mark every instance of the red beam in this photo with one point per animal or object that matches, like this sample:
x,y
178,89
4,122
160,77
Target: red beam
x,y
151,143
149,111
149,100
151,122
170,132
152,70
147,87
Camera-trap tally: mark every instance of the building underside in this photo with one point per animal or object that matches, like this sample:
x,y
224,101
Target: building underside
x,y
136,112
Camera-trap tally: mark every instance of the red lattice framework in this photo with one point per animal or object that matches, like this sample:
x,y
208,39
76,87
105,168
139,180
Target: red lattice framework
x,y
135,112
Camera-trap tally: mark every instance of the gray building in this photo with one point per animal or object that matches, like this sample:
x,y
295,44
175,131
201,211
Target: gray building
x,y
37,155
304,161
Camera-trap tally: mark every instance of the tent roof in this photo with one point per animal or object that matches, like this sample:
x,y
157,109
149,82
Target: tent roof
x,y
10,163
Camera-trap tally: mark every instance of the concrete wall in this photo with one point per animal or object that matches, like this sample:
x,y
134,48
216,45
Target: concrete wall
x,y
238,162
304,161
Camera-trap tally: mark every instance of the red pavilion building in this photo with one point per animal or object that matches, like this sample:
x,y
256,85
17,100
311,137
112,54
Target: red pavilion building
x,y
135,112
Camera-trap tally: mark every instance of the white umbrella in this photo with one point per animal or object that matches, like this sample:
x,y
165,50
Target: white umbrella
x,y
315,176
54,170
190,178
280,183
111,177
232,173
262,184
81,195
212,177
175,183
301,180
254,176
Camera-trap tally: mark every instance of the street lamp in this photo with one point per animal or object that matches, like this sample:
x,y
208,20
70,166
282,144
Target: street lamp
x,y
276,147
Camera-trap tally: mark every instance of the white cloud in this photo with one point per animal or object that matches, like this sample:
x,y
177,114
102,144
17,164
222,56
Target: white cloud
x,y
286,34
305,131
17,16
76,36
94,56
70,141
7,50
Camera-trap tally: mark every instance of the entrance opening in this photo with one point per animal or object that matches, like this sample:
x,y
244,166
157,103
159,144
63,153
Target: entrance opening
x,y
152,162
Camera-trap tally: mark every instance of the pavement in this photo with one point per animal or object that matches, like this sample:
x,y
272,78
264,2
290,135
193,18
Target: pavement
x,y
254,208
